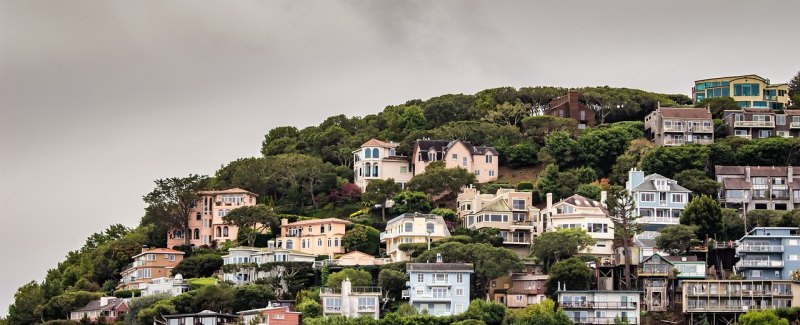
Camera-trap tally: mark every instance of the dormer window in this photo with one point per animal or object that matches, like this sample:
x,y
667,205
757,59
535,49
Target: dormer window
x,y
489,158
661,184
431,155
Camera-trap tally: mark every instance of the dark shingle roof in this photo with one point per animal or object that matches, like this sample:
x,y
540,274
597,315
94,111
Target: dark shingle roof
x,y
735,184
677,112
95,305
441,146
647,184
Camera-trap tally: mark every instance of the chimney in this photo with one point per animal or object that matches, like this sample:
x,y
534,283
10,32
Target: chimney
x,y
603,197
144,248
572,97
438,257
658,105
747,173
549,201
284,221
104,300
790,176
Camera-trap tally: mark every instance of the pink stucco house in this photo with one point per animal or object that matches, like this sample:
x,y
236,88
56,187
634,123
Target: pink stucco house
x,y
205,219
480,160
377,159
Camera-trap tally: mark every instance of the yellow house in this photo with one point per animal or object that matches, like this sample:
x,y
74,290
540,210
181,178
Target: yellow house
x,y
317,236
412,228
747,90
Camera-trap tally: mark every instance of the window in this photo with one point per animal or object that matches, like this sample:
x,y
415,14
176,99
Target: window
x,y
764,133
429,227
477,172
459,292
309,230
219,231
780,119
321,229
488,158
420,278
151,257
759,104
561,113
464,161
678,198
491,172
454,156
146,273
755,273
319,242
198,216
330,240
367,153
648,197
196,233
302,243
375,170
583,116
171,257
336,242
518,204
432,156
459,278
794,257
408,240
277,316
375,153
440,277
408,227
333,303
367,303
289,244
404,170
367,169
746,90
597,227
329,227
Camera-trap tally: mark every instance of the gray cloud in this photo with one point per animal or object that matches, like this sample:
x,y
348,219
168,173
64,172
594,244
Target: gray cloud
x,y
99,98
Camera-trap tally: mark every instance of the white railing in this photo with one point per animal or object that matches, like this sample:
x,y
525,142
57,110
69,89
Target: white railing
x,y
669,220
746,136
745,124
761,248
702,129
674,142
702,141
333,308
674,128
754,263
794,125
366,308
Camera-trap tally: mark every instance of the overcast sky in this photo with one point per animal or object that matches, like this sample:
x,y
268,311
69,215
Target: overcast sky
x,y
100,98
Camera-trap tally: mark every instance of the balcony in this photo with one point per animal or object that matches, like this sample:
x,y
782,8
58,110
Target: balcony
x,y
794,125
405,294
366,308
674,128
674,142
597,305
771,97
745,136
754,124
337,291
760,249
757,264
657,219
433,297
701,141
601,320
516,241
701,129
521,224
661,270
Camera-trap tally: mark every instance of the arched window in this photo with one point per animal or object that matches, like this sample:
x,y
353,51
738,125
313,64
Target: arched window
x,y
289,244
329,242
177,233
319,242
196,233
429,227
376,153
219,231
225,231
367,153
367,169
375,170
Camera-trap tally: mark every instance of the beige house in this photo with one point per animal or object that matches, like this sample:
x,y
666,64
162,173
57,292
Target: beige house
x,y
205,219
412,228
349,301
148,265
379,160
316,236
482,161
510,211
675,126
578,212
354,258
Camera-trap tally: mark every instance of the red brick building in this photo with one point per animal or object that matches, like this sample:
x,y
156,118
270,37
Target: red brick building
x,y
568,106
275,315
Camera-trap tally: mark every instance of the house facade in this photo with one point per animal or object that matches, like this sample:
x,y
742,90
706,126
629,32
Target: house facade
x,y
655,273
412,228
518,290
351,302
148,265
170,285
747,90
249,256
272,315
439,288
376,159
206,226
481,161
109,307
315,236
674,126
579,212
510,211
205,317
758,187
353,258
659,200
724,300
759,123
569,106
769,253
600,306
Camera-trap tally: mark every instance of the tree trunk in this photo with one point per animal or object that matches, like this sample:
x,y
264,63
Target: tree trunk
x,y
311,191
627,249
383,211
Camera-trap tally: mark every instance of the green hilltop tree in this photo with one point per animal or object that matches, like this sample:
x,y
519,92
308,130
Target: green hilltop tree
x,y
705,213
572,273
173,198
697,182
255,218
676,239
26,301
362,238
622,212
553,246
358,278
379,191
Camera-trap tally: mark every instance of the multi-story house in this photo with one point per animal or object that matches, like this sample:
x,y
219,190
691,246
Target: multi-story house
x,y
747,90
578,212
759,123
481,161
600,306
569,106
769,253
315,236
721,301
659,200
518,290
203,317
250,256
353,258
758,187
674,126
379,160
206,226
108,307
655,274
272,315
412,228
510,211
349,301
148,265
688,268
171,285
439,288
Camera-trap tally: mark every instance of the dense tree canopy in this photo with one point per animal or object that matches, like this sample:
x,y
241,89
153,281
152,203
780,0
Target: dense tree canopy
x,y
553,246
705,213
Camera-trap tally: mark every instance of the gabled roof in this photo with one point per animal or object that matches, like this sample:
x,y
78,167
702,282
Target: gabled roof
x,y
758,110
497,206
677,112
228,191
647,184
735,184
442,267
659,257
355,254
112,304
205,313
443,146
778,171
159,251
317,221
378,143
581,201
678,259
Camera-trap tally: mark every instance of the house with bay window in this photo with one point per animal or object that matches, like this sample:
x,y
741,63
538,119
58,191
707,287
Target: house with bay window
x,y
579,212
759,123
206,226
440,289
350,301
509,210
148,265
769,253
747,90
313,236
412,228
675,126
481,161
600,306
659,200
758,187
250,257
377,159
